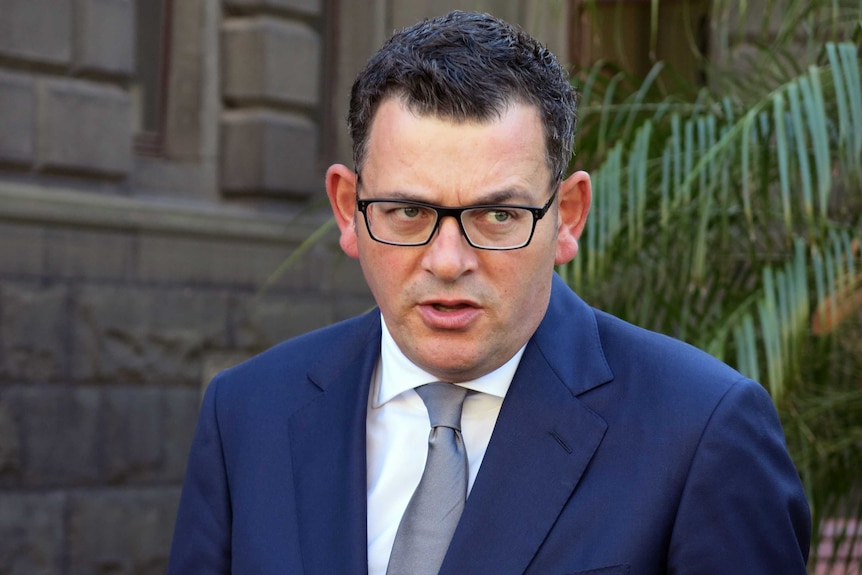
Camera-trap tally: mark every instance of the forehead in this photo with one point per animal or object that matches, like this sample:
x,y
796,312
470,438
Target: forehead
x,y
432,153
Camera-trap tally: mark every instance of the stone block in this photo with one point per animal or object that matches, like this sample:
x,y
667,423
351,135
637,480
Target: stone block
x,y
237,263
105,36
147,433
120,531
347,276
137,335
307,265
218,361
350,306
362,28
21,249
191,125
262,322
310,7
38,30
33,330
31,533
88,254
60,432
269,153
131,434
17,117
271,60
209,261
83,127
180,409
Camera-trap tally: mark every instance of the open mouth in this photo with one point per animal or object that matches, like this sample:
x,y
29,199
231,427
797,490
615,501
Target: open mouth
x,y
445,308
450,314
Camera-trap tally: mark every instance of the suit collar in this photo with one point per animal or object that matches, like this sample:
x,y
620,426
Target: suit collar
x,y
568,339
542,444
327,439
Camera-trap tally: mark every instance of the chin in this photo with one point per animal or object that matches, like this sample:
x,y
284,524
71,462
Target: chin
x,y
455,371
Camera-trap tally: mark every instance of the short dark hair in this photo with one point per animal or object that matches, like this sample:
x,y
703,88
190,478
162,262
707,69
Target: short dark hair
x,y
466,66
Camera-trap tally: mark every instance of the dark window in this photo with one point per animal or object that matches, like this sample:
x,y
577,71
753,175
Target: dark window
x,y
153,23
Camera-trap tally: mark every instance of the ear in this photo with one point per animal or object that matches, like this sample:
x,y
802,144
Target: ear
x,y
575,196
341,189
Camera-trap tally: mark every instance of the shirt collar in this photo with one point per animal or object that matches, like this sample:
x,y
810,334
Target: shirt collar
x,y
398,374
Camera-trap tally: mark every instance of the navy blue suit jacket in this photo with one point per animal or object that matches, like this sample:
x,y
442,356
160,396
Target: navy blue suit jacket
x,y
617,450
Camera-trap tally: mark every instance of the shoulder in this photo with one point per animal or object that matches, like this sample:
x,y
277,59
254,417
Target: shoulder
x,y
628,347
665,382
599,355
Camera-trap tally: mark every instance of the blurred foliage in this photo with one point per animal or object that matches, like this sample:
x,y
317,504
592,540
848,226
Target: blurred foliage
x,y
728,213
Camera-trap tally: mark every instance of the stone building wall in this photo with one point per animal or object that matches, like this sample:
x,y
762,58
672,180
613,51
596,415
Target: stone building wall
x,y
128,279
106,337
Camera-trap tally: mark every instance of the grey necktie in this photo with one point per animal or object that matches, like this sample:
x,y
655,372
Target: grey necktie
x,y
435,508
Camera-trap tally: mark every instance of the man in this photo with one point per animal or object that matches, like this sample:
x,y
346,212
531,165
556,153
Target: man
x,y
591,446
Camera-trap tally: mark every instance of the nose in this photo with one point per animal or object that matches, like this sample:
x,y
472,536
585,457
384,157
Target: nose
x,y
449,256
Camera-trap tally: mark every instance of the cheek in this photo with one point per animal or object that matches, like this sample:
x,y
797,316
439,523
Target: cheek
x,y
385,268
528,282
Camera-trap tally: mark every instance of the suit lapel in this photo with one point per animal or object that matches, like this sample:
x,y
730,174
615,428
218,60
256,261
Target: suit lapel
x,y
327,439
543,442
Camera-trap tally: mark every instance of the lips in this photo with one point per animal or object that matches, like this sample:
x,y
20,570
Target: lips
x,y
449,314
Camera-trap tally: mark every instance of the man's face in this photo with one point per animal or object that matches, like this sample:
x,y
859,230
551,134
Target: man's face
x,y
456,311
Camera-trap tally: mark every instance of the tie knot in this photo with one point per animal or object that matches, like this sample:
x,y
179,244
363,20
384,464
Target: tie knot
x,y
443,402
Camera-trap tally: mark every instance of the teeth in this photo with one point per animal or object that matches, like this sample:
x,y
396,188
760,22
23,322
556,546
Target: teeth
x,y
440,307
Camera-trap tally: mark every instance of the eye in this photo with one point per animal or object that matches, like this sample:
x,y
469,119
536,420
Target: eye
x,y
500,216
404,213
408,212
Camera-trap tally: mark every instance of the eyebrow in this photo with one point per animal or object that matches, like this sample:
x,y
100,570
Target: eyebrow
x,y
501,197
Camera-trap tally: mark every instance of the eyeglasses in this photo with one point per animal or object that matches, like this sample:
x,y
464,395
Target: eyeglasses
x,y
487,227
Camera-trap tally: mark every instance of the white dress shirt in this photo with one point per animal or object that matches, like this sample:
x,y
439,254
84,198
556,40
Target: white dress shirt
x,y
397,429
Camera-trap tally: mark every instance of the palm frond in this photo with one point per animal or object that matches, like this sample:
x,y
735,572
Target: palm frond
x,y
736,224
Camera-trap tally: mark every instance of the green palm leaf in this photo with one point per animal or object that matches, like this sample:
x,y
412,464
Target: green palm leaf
x,y
736,224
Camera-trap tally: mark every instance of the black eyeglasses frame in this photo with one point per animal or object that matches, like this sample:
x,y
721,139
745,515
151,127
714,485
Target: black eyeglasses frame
x,y
442,212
